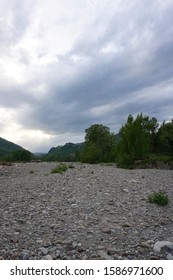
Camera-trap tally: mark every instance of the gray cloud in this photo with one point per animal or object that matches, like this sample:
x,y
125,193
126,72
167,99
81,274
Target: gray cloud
x,y
15,17
120,64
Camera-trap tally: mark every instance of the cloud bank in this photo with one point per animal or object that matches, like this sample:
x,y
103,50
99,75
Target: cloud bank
x,y
68,64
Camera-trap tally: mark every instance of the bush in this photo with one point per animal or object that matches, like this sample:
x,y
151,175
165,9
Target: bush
x,y
159,198
60,168
125,161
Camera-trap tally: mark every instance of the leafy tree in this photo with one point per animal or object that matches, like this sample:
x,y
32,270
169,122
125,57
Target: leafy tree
x,y
21,155
99,143
165,138
137,139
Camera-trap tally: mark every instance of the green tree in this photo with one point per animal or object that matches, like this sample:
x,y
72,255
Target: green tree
x,y
99,144
165,138
21,155
137,138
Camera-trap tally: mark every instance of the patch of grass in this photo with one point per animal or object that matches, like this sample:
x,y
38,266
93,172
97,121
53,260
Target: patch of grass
x,y
60,168
159,198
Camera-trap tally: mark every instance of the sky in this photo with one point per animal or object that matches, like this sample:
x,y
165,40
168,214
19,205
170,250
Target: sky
x,y
68,64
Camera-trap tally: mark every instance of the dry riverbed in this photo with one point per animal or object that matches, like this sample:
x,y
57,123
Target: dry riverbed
x,y
88,212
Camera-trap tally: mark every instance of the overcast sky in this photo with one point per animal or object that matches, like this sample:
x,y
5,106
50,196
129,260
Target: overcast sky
x,y
68,64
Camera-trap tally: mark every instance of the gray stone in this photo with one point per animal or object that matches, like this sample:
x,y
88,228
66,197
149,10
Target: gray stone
x,y
58,253
126,190
47,257
161,246
25,254
85,257
104,255
145,244
169,257
44,250
106,230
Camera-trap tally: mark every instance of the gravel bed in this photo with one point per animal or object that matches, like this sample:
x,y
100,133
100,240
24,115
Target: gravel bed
x,y
88,212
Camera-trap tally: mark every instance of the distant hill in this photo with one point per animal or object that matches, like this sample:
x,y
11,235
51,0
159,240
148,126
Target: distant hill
x,y
67,152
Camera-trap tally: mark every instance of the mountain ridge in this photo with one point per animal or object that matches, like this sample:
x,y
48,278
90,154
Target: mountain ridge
x,y
67,152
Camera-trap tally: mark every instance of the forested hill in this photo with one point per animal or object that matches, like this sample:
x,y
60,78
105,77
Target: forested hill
x,y
10,151
7,147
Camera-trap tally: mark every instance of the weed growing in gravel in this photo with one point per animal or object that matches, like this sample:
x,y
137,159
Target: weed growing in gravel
x,y
60,168
159,198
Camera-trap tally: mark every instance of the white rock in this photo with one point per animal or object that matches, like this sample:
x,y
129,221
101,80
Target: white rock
x,y
126,190
104,255
133,181
158,246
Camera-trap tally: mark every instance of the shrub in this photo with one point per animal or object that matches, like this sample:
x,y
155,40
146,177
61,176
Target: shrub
x,y
60,168
125,161
159,198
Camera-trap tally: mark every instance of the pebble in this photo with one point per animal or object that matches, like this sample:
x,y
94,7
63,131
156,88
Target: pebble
x,y
90,212
145,244
104,255
47,257
44,251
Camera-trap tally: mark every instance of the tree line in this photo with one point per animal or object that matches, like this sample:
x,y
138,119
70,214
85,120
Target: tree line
x,y
140,139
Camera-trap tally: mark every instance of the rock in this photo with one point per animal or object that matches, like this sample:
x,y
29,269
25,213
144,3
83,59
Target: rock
x,y
67,242
133,181
126,190
144,244
153,257
47,257
85,257
44,250
25,254
100,247
106,230
163,246
111,202
58,253
169,257
126,224
104,255
74,244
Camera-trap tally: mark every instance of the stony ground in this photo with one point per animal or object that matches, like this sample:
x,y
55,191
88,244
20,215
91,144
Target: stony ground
x,y
88,212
